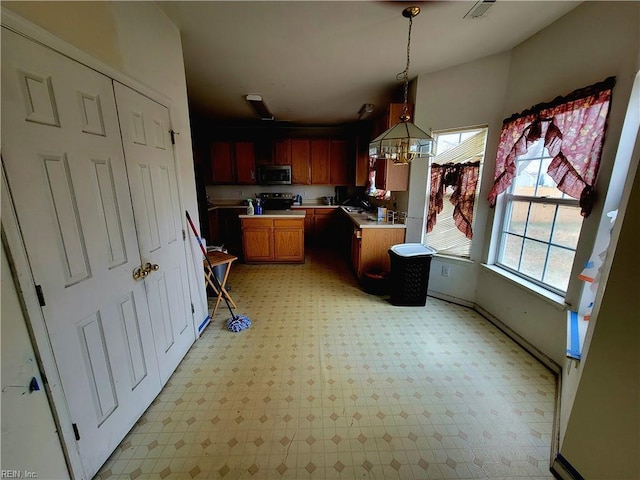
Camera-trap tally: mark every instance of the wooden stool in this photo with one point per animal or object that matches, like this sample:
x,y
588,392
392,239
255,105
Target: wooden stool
x,y
215,259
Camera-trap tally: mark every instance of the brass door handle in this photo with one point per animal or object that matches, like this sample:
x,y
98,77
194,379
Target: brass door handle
x,y
144,270
151,267
139,273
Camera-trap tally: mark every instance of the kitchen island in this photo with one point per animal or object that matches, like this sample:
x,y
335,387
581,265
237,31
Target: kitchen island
x,y
277,236
371,240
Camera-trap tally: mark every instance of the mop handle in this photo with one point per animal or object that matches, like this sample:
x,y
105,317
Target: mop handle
x,y
204,252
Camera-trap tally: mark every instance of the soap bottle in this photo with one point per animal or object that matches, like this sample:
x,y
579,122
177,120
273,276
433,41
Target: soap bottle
x,y
258,208
250,210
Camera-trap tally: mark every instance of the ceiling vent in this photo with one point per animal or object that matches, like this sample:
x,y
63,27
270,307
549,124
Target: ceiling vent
x,y
259,106
480,9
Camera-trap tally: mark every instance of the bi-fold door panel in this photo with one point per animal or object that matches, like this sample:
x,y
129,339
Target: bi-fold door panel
x,y
62,151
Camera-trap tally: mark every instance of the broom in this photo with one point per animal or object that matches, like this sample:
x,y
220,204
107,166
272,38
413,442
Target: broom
x,y
236,323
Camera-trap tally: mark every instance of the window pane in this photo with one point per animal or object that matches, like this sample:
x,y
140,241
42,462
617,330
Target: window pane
x,y
541,221
546,185
533,256
568,226
536,150
518,218
559,268
526,177
511,248
447,141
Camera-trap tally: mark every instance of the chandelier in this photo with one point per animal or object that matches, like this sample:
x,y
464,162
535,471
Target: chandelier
x,y
404,141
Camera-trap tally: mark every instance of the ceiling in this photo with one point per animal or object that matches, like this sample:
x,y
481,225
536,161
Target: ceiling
x,y
317,63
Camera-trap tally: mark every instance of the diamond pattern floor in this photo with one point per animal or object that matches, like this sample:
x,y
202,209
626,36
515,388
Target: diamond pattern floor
x,y
331,382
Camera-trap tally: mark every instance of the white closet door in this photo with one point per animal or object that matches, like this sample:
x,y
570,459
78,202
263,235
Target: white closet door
x,y
152,180
62,151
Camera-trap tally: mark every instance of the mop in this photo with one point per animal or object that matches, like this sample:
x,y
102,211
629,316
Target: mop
x,y
236,323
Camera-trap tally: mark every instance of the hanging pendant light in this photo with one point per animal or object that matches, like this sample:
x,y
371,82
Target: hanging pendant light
x,y
404,141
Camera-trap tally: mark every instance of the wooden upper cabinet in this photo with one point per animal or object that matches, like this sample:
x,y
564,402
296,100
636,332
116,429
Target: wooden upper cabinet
x,y
339,163
245,157
320,162
300,162
221,163
282,152
390,176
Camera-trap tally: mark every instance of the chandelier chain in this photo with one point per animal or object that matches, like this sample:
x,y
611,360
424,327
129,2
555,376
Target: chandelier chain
x,y
404,75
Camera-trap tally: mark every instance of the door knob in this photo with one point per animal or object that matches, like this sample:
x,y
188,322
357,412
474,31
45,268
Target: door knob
x,y
139,273
144,270
151,267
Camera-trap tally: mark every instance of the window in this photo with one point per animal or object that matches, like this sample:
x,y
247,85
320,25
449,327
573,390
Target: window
x,y
454,186
546,164
541,224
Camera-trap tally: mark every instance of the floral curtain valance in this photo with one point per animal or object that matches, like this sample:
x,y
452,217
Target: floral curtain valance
x,y
463,177
573,128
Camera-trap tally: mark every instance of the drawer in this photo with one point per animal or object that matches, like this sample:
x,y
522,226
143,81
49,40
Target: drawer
x,y
257,222
324,211
288,222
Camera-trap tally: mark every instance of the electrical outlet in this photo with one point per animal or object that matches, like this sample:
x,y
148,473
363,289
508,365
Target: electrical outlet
x,y
446,270
240,193
304,194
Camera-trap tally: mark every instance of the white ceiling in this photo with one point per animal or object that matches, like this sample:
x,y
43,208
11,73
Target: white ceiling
x,y
318,62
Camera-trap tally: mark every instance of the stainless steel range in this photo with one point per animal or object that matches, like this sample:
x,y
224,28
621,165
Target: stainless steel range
x,y
276,200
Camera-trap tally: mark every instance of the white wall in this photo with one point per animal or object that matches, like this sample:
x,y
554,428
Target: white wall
x,y
466,95
26,417
605,33
590,43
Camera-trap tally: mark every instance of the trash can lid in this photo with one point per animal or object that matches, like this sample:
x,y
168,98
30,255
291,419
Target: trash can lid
x,y
412,250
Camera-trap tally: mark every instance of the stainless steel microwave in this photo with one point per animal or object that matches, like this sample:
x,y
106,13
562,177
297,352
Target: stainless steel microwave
x,y
274,175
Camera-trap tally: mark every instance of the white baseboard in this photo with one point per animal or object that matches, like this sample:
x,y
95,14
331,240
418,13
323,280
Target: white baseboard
x,y
449,298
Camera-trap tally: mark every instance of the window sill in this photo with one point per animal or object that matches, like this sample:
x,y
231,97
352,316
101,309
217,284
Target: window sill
x,y
551,298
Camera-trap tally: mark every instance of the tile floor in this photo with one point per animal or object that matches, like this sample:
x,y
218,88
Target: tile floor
x,y
331,382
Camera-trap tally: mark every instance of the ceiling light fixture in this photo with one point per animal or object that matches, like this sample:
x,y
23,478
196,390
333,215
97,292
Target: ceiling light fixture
x,y
404,141
365,110
259,106
480,9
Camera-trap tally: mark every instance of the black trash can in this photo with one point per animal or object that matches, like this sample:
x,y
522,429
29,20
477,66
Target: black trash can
x,y
409,279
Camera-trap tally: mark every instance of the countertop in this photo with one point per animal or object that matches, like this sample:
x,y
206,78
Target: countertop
x,y
277,214
367,219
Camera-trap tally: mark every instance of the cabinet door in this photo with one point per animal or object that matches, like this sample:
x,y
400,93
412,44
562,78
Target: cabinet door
x,y
230,234
324,226
390,176
214,228
282,152
320,162
309,231
245,163
356,244
257,239
339,163
362,162
288,240
221,169
300,162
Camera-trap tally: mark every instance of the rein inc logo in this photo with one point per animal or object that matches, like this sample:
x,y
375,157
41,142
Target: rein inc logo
x,y
17,474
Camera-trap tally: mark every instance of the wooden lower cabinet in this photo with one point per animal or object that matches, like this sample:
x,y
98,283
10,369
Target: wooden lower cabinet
x,y
273,240
370,248
224,229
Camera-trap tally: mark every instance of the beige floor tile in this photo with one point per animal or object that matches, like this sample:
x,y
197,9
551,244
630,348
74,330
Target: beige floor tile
x,y
331,382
